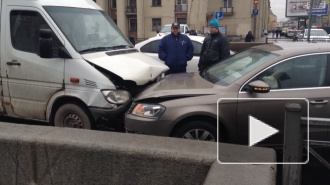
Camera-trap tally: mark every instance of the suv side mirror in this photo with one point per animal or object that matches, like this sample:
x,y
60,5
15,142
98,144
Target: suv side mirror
x,y
259,86
45,43
157,31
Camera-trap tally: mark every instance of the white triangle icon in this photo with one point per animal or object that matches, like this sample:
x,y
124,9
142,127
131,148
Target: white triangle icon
x,y
259,131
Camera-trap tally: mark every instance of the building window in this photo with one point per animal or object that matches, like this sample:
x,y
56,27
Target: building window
x,y
113,4
182,1
132,3
133,25
228,3
227,7
156,23
156,2
181,6
131,7
182,20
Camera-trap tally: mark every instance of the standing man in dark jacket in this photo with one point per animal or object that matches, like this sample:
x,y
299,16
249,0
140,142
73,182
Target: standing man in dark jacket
x,y
249,37
215,47
175,49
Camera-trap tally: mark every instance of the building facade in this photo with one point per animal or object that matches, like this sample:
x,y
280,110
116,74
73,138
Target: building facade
x,y
142,18
272,21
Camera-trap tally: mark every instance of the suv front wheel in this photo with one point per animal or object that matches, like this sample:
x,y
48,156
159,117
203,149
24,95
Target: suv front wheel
x,y
197,130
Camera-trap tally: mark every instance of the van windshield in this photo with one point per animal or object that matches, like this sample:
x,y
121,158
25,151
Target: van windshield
x,y
88,30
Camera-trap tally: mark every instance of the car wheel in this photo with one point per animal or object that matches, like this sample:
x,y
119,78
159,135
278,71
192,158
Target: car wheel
x,y
198,130
73,116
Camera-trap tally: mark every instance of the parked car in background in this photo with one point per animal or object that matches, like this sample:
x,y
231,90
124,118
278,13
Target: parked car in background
x,y
193,32
319,35
150,47
185,105
326,28
283,31
290,33
200,33
184,29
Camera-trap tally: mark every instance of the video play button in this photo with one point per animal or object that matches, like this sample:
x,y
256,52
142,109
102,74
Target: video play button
x,y
259,131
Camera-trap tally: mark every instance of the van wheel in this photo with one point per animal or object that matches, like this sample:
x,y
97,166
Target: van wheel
x,y
73,116
198,130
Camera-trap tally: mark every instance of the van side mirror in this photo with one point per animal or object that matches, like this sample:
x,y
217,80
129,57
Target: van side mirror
x,y
157,31
259,86
63,53
45,43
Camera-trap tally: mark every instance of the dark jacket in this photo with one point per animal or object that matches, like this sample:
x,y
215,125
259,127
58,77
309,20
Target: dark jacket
x,y
249,38
215,48
175,51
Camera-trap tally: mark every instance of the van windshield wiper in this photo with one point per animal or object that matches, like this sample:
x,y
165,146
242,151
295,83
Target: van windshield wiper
x,y
105,48
120,47
95,49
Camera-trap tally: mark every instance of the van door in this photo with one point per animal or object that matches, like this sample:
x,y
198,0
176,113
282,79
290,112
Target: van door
x,y
31,80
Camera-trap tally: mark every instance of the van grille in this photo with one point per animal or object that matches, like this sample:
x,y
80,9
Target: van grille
x,y
90,83
121,52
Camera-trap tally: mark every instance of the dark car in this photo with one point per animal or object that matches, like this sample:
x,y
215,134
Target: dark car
x,y
185,105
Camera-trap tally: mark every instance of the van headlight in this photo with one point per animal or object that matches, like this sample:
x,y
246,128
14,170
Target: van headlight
x,y
116,96
148,110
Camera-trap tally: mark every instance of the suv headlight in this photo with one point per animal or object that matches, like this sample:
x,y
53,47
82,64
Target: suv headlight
x,y
116,96
148,110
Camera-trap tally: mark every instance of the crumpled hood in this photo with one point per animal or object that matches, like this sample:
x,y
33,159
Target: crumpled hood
x,y
133,66
180,85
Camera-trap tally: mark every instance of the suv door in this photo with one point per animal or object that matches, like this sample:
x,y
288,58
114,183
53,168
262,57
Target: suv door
x,y
31,80
151,49
299,77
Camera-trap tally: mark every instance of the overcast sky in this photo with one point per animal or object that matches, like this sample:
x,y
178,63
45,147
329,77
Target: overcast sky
x,y
278,8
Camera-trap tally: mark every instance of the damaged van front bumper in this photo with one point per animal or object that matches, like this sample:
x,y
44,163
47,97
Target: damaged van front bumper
x,y
110,117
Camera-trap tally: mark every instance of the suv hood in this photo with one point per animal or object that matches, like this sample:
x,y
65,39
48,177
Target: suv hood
x,y
180,85
128,64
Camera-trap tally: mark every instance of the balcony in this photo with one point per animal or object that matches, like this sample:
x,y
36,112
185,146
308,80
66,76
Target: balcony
x,y
181,8
131,10
227,10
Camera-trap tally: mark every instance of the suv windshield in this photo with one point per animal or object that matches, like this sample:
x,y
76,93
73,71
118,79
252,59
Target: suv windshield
x,y
233,68
88,30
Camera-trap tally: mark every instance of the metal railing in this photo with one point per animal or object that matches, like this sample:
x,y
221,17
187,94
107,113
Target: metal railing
x,y
293,142
181,8
131,9
283,38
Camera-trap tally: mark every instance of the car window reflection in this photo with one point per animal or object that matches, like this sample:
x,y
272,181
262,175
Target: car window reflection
x,y
300,72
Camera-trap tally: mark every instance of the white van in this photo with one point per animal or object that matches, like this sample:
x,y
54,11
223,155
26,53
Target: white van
x,y
66,62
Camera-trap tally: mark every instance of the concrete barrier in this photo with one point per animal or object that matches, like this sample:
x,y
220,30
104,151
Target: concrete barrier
x,y
49,155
